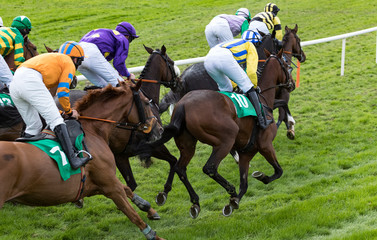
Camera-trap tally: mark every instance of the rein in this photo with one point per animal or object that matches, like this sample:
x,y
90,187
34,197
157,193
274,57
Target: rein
x,y
282,85
122,125
169,84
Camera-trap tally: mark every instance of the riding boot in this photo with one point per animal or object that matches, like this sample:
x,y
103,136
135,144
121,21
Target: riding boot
x,y
63,137
262,121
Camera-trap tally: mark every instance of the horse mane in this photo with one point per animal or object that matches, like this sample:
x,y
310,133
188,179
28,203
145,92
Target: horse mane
x,y
103,94
9,116
147,64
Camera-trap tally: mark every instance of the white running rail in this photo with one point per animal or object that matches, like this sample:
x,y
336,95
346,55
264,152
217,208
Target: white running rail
x,y
303,44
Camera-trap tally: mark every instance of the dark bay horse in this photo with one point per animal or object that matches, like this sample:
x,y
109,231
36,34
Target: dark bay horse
x,y
195,76
10,120
28,175
211,118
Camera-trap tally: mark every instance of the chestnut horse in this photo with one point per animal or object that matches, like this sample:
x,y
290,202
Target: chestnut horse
x,y
11,121
195,77
211,118
28,175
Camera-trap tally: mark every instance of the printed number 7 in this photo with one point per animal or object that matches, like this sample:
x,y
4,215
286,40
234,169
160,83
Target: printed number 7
x,y
64,158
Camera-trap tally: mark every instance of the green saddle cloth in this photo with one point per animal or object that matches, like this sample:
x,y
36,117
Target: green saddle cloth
x,y
243,105
54,150
6,100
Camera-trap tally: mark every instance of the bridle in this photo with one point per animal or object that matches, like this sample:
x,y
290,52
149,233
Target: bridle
x,y
296,55
170,67
125,125
287,74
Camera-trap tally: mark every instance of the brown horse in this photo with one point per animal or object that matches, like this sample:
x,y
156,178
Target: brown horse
x,y
11,123
292,48
211,118
28,176
195,76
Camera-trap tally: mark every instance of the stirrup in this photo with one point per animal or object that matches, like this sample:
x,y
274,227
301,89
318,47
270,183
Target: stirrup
x,y
77,153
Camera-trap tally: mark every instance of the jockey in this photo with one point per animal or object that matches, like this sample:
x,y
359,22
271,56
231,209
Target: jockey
x,y
12,38
224,27
29,91
103,45
264,21
223,62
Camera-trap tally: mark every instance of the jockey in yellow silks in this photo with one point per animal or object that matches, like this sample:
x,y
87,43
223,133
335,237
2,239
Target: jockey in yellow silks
x,y
224,62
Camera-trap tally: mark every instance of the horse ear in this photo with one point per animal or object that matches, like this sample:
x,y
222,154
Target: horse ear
x,y
149,50
163,49
280,53
267,53
296,28
286,28
48,49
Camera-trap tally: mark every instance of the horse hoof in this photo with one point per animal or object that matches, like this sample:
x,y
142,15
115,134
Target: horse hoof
x,y
291,134
227,210
161,198
194,211
79,203
258,175
155,216
234,203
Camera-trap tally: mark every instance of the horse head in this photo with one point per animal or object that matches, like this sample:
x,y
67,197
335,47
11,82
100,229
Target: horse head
x,y
116,105
291,44
162,66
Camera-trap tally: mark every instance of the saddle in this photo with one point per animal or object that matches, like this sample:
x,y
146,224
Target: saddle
x,y
75,132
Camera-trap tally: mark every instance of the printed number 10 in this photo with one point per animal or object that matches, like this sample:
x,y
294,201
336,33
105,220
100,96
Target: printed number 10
x,y
241,100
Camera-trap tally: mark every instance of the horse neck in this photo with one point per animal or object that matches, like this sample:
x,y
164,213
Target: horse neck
x,y
114,110
269,79
153,70
288,47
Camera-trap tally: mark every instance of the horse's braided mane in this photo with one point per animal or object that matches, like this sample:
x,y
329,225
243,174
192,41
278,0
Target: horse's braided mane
x,y
99,95
147,65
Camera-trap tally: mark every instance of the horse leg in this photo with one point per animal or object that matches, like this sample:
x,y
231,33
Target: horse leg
x,y
163,153
115,190
268,152
290,127
123,164
142,204
186,144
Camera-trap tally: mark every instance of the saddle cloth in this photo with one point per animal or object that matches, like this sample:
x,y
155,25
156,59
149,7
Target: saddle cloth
x,y
242,104
55,151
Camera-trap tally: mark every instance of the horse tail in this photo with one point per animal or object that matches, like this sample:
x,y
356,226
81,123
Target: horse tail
x,y
175,126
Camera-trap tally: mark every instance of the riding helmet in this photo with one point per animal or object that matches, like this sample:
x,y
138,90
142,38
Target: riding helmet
x,y
271,7
126,29
244,12
72,49
22,22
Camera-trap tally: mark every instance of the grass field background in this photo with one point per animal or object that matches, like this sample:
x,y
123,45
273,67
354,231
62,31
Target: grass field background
x,y
329,185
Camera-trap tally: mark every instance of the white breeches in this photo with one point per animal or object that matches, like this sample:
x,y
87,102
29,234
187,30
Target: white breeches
x,y
96,68
221,66
6,75
257,25
31,97
218,31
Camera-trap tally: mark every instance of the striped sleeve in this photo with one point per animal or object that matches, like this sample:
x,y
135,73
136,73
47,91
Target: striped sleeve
x,y
252,63
18,50
277,28
63,89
